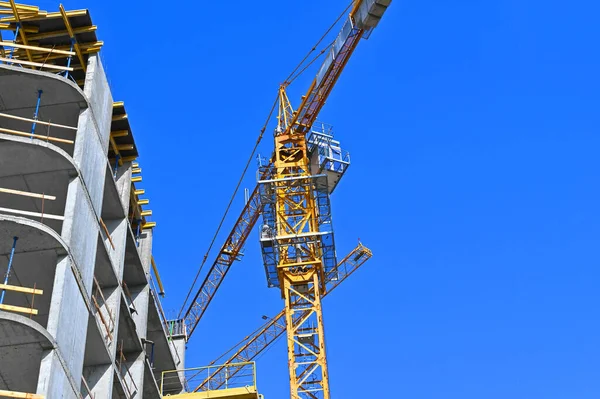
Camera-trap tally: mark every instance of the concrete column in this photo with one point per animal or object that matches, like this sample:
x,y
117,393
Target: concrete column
x,y
113,301
118,229
93,132
141,299
54,381
145,249
80,231
67,323
136,368
98,93
124,185
179,343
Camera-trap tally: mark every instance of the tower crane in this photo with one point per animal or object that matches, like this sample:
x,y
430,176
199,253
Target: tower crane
x,y
297,238
292,195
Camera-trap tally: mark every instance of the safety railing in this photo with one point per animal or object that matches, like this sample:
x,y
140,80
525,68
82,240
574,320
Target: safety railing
x,y
4,287
157,300
31,311
331,156
234,376
106,234
14,60
34,124
15,394
126,376
86,392
102,311
30,214
322,128
128,297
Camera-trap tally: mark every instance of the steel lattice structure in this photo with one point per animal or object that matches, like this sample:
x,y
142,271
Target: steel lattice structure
x,y
253,345
297,239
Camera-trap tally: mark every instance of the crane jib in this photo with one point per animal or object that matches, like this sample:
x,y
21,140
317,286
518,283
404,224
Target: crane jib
x,y
328,75
227,255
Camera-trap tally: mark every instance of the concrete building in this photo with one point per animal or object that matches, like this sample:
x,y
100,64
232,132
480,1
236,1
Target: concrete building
x,y
80,315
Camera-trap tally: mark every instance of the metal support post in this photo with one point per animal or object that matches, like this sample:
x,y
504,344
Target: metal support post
x,y
12,50
70,57
152,355
10,261
35,114
116,165
137,234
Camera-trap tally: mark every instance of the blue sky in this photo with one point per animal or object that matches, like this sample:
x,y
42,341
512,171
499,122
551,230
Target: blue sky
x,y
473,129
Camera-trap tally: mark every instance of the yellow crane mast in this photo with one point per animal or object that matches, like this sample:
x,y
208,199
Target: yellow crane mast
x,y
254,344
297,235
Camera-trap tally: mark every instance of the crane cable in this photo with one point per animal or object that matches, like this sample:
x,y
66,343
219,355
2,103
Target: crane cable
x,y
310,63
258,140
287,80
237,187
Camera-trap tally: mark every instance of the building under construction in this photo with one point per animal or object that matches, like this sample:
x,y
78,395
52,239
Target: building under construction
x,y
80,292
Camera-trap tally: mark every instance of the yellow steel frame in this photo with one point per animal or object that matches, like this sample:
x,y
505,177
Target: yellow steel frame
x,y
300,267
254,344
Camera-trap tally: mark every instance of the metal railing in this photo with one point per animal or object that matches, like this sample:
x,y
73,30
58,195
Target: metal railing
x,y
86,391
238,376
102,310
128,382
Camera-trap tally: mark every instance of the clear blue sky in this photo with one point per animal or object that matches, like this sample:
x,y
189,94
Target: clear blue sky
x,y
473,129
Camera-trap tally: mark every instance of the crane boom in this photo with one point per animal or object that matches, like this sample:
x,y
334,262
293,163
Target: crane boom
x,y
227,255
364,16
323,84
254,345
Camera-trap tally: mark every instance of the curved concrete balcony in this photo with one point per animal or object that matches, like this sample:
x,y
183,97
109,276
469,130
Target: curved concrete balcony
x,y
60,104
23,343
38,250
28,335
38,173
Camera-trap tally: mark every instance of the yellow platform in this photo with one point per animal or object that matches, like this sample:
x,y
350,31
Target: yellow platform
x,y
232,393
